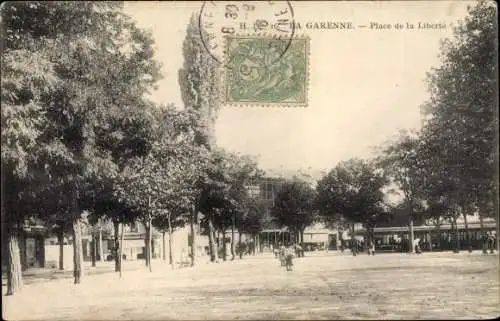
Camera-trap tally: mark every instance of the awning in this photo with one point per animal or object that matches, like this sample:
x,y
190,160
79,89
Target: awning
x,y
275,231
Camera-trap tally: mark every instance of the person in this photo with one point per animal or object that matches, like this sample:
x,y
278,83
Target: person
x,y
289,258
282,255
299,251
484,238
491,242
371,250
416,245
276,252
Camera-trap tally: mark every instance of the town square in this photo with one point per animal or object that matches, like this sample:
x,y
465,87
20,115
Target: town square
x,y
251,160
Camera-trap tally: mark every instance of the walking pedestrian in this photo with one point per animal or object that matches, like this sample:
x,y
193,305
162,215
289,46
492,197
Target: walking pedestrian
x,y
371,250
491,242
416,246
282,255
289,258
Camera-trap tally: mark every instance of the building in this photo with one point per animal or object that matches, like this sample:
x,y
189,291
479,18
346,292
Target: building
x,y
316,236
432,237
41,248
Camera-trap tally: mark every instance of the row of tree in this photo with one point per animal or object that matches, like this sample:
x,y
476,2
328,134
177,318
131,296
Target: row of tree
x,y
82,143
79,135
446,170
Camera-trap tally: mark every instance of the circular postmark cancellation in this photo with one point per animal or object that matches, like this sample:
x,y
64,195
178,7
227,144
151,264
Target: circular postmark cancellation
x,y
220,20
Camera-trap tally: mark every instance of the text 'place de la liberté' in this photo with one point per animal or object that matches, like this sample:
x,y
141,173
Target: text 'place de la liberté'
x,y
262,25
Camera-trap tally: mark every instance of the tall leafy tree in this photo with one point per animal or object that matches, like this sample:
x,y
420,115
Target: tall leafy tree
x,y
102,63
352,189
199,80
294,206
151,182
238,172
28,75
251,220
461,115
401,162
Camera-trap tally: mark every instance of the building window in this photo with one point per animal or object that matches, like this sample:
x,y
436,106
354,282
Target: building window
x,y
133,227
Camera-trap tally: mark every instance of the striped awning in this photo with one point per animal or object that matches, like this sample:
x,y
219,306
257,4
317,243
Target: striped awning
x,y
284,229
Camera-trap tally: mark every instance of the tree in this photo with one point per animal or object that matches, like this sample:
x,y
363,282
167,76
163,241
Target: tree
x,y
167,222
225,194
353,189
294,206
150,183
251,220
199,83
99,62
461,116
241,170
214,197
108,207
27,76
402,164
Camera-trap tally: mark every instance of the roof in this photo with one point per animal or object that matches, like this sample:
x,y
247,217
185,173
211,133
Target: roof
x,y
431,227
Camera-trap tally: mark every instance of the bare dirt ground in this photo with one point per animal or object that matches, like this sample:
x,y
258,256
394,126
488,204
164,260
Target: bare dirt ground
x,y
321,286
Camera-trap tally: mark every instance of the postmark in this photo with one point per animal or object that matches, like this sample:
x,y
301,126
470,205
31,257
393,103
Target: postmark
x,y
220,19
260,71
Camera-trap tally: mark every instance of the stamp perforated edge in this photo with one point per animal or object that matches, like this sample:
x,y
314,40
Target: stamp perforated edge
x,y
242,104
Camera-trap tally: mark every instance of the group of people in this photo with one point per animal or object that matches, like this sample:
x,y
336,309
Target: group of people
x,y
489,240
285,254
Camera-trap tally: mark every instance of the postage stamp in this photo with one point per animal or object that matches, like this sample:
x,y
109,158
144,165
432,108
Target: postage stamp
x,y
259,71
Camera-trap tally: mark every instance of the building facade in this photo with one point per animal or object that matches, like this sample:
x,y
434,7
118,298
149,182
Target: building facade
x,y
40,248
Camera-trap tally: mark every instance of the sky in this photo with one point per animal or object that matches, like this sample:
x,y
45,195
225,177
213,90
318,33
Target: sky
x,y
364,84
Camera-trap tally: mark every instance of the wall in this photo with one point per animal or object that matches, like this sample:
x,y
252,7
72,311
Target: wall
x,y
52,256
315,237
181,248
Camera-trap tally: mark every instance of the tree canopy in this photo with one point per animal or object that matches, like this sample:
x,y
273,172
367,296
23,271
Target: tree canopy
x,y
294,205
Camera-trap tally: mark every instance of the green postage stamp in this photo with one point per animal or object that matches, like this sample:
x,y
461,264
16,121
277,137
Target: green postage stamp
x,y
266,71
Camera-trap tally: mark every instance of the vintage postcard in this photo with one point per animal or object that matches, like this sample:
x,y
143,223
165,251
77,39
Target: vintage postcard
x,y
249,160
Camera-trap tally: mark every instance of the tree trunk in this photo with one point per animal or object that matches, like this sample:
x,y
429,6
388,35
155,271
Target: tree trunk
x,y
214,257
240,245
194,222
77,249
412,236
455,233
116,246
469,244
148,255
438,228
171,249
496,208
224,244
170,244
101,254
60,237
353,241
164,254
233,243
150,242
93,249
146,245
367,240
483,233
22,244
14,273
121,249
254,246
